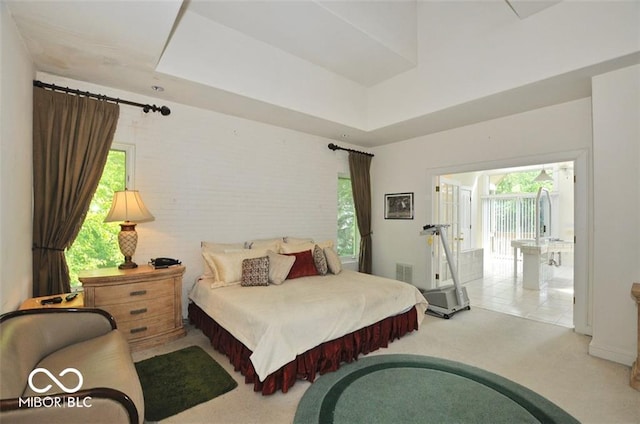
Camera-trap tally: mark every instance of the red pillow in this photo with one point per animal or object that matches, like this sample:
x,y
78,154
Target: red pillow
x,y
304,266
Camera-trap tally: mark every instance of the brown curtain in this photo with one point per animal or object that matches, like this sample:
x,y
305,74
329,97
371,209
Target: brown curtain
x,y
359,165
71,140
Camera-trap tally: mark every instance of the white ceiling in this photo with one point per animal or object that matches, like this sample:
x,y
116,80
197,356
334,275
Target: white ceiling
x,y
526,8
367,42
223,55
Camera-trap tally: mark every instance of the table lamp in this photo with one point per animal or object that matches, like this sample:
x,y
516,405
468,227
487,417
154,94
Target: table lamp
x,y
127,206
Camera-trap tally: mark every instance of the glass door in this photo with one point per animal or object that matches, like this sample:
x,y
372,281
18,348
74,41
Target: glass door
x,y
448,198
465,219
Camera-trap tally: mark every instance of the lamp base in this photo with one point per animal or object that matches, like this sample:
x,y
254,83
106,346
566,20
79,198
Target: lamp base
x,y
128,263
128,240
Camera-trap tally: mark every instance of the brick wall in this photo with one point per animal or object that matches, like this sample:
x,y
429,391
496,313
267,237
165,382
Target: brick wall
x,y
208,176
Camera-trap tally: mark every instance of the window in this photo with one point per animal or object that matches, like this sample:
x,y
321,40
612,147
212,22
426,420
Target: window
x,y
348,235
96,245
521,182
510,210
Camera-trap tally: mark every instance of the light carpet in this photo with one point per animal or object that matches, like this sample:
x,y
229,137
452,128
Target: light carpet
x,y
550,360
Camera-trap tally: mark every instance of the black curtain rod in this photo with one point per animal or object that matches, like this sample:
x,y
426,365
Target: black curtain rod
x,y
336,147
164,111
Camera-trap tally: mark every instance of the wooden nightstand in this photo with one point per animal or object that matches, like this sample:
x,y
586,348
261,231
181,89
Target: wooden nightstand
x,y
146,302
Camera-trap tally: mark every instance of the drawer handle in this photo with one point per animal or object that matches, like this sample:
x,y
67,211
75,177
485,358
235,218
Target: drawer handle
x,y
138,330
138,293
138,311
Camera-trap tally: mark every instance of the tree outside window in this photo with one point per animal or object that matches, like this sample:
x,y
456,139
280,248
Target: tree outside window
x,y
522,182
348,236
96,245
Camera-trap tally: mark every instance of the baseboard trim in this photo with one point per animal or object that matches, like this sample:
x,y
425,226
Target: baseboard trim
x,y
621,357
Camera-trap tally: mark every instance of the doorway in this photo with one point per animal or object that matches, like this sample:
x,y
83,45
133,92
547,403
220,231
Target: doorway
x,y
490,212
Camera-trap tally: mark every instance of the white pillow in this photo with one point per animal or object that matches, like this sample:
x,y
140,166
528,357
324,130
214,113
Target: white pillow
x,y
296,240
303,247
209,247
216,284
279,266
333,260
220,247
265,244
229,265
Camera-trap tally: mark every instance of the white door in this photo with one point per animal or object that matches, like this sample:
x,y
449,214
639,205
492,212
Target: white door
x,y
448,199
465,219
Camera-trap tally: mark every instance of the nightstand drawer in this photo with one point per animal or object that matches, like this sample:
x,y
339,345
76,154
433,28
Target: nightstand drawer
x,y
133,292
146,327
132,311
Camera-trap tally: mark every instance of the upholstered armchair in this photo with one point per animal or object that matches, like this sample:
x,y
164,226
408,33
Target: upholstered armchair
x,y
66,365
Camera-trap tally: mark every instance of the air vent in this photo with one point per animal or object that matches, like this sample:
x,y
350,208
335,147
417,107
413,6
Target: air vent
x,y
404,272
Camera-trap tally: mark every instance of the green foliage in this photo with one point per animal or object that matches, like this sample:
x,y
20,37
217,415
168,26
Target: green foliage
x,y
521,182
516,215
346,219
97,243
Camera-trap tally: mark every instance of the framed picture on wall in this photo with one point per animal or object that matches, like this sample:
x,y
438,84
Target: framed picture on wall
x,y
398,206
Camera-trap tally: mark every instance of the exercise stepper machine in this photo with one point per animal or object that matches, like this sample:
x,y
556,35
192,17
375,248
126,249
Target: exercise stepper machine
x,y
445,301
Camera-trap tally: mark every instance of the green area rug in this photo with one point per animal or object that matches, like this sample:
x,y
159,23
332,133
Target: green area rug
x,y
180,380
421,389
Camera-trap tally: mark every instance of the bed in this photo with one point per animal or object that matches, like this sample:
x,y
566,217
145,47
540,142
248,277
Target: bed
x,y
294,328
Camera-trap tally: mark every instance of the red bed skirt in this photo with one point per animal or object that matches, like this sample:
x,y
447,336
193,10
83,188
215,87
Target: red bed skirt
x,y
320,359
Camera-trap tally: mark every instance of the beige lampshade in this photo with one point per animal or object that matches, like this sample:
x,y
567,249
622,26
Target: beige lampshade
x,y
128,206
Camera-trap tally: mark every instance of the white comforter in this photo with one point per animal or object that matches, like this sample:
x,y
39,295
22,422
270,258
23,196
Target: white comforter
x,y
278,322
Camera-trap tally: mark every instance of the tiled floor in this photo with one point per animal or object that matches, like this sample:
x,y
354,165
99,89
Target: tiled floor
x,y
500,291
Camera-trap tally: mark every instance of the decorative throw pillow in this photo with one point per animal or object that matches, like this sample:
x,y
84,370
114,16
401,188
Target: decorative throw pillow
x,y
320,260
333,260
255,272
303,266
279,266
